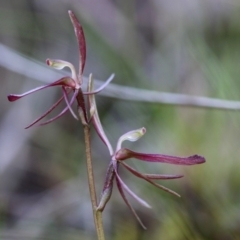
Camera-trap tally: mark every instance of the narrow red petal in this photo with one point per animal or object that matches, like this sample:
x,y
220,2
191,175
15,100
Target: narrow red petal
x,y
98,127
101,87
162,176
62,112
125,153
138,174
65,94
14,97
81,40
140,200
94,117
46,113
129,205
65,81
151,176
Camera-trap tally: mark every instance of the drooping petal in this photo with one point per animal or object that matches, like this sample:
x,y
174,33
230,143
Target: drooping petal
x,y
65,81
126,188
62,112
81,41
60,64
14,97
102,87
65,94
46,113
125,153
130,136
95,118
128,204
152,176
162,176
138,174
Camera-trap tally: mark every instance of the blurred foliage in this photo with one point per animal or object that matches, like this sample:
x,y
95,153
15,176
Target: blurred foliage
x,y
190,47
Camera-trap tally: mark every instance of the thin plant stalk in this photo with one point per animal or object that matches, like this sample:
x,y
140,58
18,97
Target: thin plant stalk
x,y
96,214
86,115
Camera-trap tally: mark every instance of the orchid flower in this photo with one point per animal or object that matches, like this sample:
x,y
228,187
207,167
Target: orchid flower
x,y
72,90
120,155
71,85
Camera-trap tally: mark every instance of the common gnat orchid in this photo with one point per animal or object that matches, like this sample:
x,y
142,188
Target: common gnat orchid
x,y
120,155
72,91
71,86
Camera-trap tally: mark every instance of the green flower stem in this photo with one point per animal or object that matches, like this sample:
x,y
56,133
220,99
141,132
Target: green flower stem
x,y
96,214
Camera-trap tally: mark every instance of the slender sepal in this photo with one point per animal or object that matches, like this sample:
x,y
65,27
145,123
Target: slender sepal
x,y
46,113
101,87
162,176
62,112
65,94
65,81
151,176
139,175
125,153
95,118
127,189
129,205
81,41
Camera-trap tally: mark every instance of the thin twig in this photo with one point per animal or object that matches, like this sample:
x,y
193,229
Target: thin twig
x,y
96,214
38,71
134,94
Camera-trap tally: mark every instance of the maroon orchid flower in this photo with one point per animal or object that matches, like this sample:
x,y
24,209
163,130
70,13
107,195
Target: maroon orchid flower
x,y
120,155
70,85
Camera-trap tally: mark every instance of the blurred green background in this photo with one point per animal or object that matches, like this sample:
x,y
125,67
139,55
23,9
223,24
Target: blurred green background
x,y
190,47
